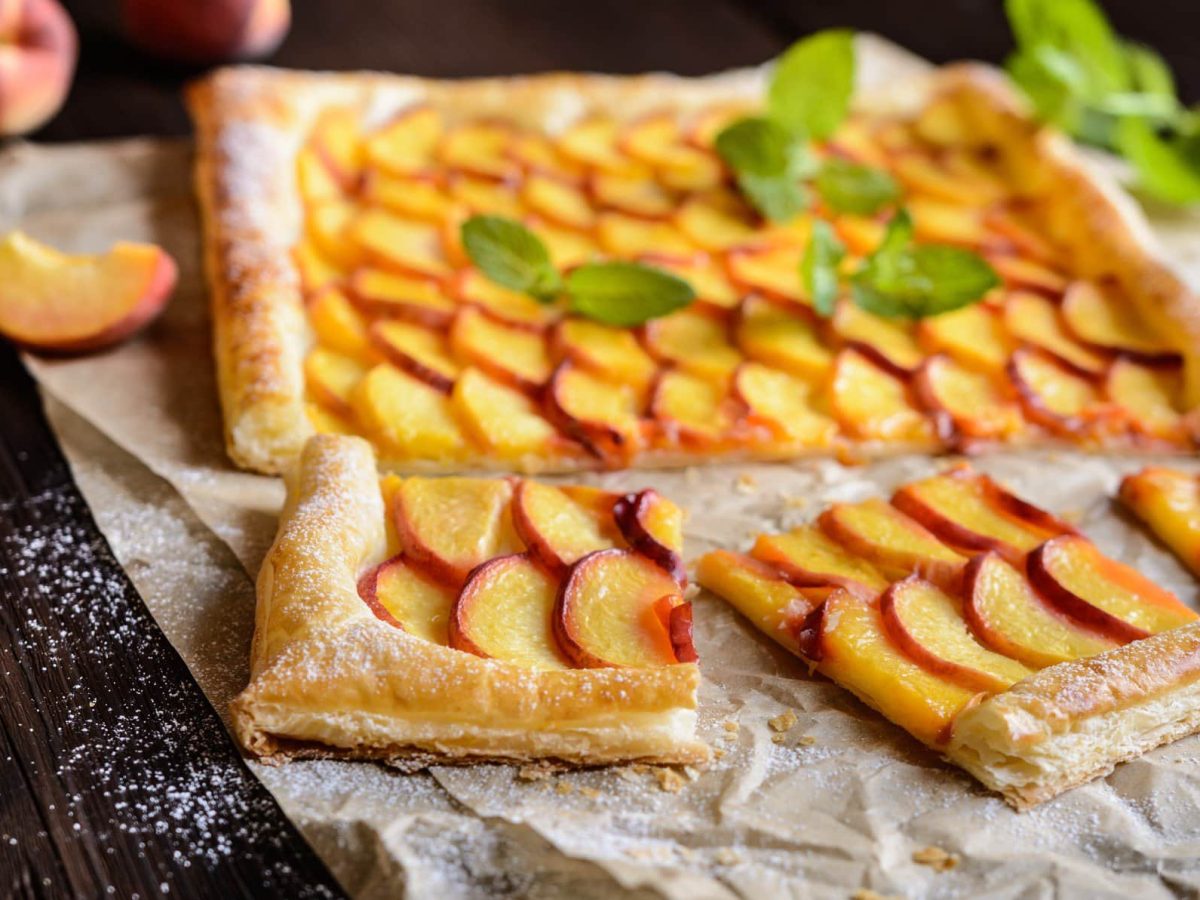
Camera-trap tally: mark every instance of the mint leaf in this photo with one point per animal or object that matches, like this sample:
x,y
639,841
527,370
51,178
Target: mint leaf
x,y
625,293
1052,82
1078,29
819,267
1168,167
812,84
769,164
511,255
850,187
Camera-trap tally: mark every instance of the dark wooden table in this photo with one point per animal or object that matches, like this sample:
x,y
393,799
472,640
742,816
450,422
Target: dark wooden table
x,y
116,776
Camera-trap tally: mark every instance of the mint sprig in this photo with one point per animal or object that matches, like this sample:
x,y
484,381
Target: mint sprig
x,y
615,293
813,83
819,267
769,163
850,187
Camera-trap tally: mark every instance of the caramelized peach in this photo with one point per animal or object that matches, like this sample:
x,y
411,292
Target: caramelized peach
x,y
399,594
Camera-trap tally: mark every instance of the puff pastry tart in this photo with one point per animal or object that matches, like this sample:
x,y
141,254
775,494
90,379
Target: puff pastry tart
x,y
343,300
461,619
1168,501
986,627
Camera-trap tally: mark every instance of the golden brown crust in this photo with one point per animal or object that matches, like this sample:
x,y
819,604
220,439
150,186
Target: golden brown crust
x,y
250,122
1076,721
329,678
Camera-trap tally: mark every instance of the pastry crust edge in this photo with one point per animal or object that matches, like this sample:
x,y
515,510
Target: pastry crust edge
x,y
329,679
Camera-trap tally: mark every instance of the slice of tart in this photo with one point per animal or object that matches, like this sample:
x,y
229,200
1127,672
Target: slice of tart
x,y
460,619
1168,501
986,627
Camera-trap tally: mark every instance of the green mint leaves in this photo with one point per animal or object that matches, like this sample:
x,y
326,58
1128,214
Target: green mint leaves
x,y
819,267
1104,90
615,293
808,97
906,280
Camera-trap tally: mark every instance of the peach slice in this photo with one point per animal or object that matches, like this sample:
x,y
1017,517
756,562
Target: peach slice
x,y
1034,319
691,411
657,141
405,145
479,148
59,302
1150,397
854,141
770,269
538,155
922,175
330,226
973,336
1022,274
1005,613
629,237
331,378
941,122
852,648
448,526
693,341
704,127
1056,397
1169,502
515,355
501,304
772,603
325,421
807,557
560,202
568,248
615,609
412,247
599,413
1100,593
887,343
407,415
399,594
860,234
1016,232
557,530
653,526
420,352
39,50
784,404
785,338
873,404
592,142
500,418
706,277
504,612
337,139
927,625
896,544
973,514
717,220
965,405
1097,315
939,222
413,299
485,196
316,270
420,197
642,197
316,179
605,350
338,325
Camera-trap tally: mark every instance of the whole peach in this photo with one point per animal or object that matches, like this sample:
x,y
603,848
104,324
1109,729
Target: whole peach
x,y
38,52
207,32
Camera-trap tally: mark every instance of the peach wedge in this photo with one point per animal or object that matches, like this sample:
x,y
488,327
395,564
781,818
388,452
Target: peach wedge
x,y
399,594
57,302
556,529
1169,502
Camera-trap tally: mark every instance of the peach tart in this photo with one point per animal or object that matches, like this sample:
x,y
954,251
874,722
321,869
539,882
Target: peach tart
x,y
458,619
1168,501
344,301
987,628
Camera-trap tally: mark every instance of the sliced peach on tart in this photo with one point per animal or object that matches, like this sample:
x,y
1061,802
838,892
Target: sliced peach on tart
x,y
691,411
784,404
895,543
705,275
316,270
537,154
755,589
500,418
484,195
412,247
873,404
330,226
939,222
653,526
331,378
639,196
926,623
861,234
1100,593
408,297
1015,231
973,336
421,352
695,342
448,526
504,612
771,269
965,405
557,529
973,514
479,148
1033,319
558,201
501,304
1004,612
511,354
407,416
1097,315
618,608
807,557
337,324
418,197
593,142
657,141
717,220
337,139
601,414
628,236
1150,397
887,342
400,594
1169,502
1057,397
1020,273
610,352
846,638
924,175
784,338
568,248
316,179
405,146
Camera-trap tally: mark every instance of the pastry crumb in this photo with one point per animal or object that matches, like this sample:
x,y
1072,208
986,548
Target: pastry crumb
x,y
590,792
534,772
718,752
563,787
727,856
783,722
745,483
778,738
936,858
628,774
806,740
730,725
669,780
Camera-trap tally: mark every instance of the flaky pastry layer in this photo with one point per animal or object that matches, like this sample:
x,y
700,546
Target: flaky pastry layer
x,y
328,678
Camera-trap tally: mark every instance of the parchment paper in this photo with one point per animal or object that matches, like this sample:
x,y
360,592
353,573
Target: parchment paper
x,y
840,805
